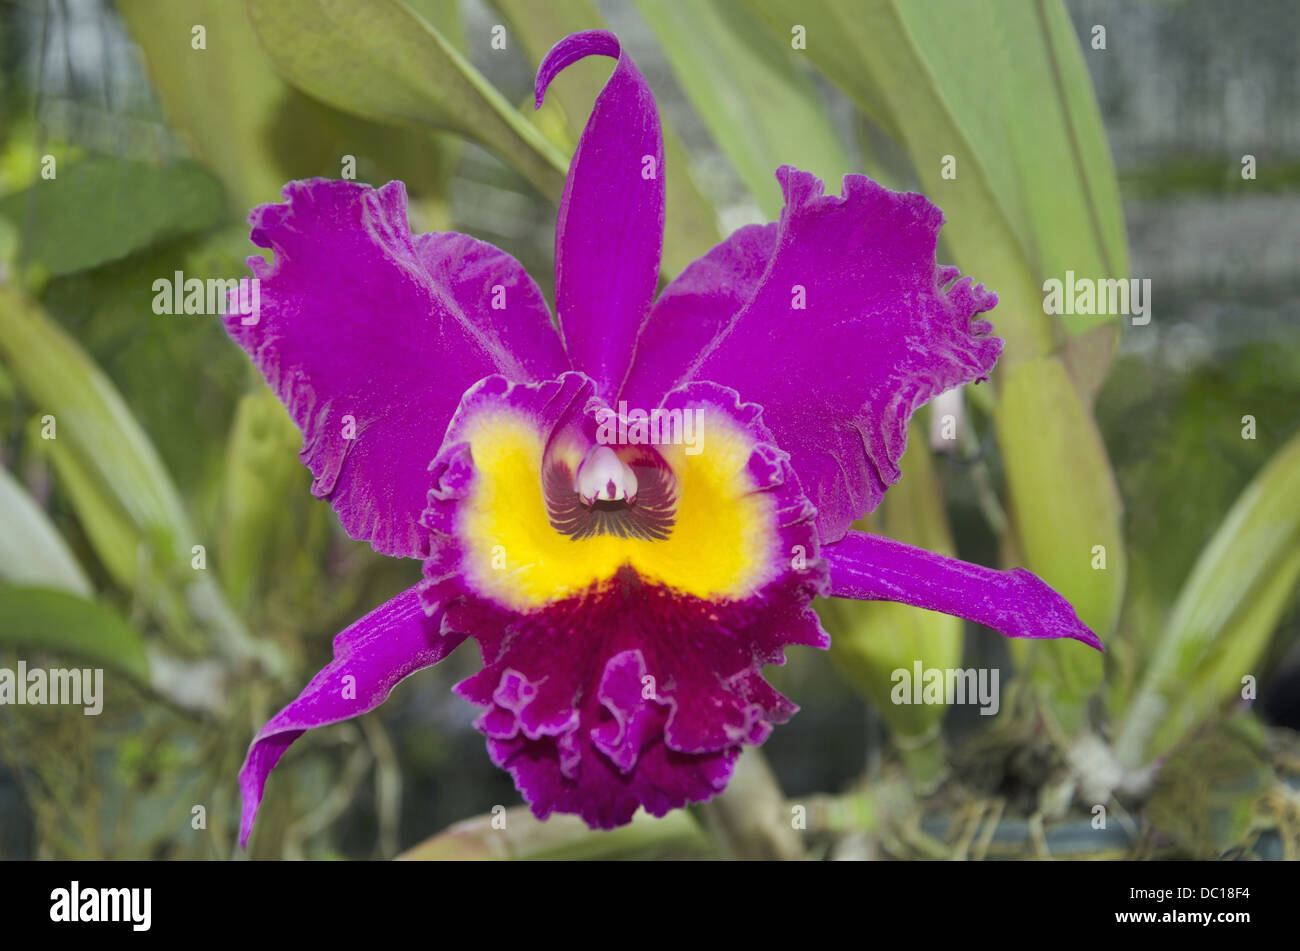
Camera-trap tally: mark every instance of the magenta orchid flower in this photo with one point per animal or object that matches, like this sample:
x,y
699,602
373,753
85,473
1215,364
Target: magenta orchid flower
x,y
632,514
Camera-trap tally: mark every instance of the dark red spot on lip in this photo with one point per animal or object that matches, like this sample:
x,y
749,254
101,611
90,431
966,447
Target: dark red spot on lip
x,y
636,694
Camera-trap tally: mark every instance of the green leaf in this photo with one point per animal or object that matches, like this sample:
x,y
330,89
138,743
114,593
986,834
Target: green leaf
x,y
760,106
517,835
47,619
222,100
1002,88
1229,606
31,549
120,546
1037,133
135,205
381,61
261,471
276,133
690,226
90,415
109,312
117,483
1065,505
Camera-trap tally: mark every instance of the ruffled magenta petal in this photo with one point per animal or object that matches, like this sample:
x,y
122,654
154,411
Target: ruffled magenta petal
x,y
371,657
837,320
630,694
1014,603
370,335
610,228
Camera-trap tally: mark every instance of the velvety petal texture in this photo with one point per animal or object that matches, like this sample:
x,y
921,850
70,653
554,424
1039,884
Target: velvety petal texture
x,y
838,320
610,229
371,657
1014,603
370,335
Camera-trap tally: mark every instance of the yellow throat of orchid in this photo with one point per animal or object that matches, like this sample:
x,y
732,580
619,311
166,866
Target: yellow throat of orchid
x,y
722,543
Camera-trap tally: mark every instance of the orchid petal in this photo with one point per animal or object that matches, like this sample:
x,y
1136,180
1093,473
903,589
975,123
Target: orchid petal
x,y
369,335
371,657
837,320
610,230
1014,603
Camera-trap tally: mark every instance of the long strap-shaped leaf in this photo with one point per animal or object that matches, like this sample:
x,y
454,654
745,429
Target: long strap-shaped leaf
x,y
47,619
761,107
123,492
31,549
690,221
380,60
237,114
1068,520
1225,614
222,100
